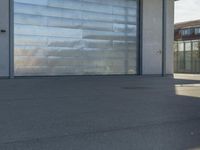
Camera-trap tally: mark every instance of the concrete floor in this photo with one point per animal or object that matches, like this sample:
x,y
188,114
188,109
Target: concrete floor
x,y
100,113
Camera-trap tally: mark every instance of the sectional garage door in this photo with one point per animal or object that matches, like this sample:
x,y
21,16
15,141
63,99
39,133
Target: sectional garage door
x,y
75,37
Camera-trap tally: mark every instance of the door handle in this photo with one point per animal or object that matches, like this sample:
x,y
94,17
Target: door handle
x,y
3,31
158,51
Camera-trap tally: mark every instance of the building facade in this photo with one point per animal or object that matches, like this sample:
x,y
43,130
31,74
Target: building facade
x,y
187,47
187,31
86,37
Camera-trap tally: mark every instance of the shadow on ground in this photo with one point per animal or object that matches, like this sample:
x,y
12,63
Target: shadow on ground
x,y
100,113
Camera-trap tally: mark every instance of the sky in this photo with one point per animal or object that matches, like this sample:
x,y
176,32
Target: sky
x,y
186,10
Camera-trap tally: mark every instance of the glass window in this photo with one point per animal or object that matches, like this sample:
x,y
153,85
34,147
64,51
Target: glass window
x,y
197,31
180,46
186,32
63,37
195,45
188,46
175,46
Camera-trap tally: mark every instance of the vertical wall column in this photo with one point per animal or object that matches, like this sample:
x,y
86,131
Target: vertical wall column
x,y
4,38
152,37
157,49
169,6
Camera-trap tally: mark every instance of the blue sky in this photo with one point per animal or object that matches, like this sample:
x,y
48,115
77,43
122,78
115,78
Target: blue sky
x,y
186,10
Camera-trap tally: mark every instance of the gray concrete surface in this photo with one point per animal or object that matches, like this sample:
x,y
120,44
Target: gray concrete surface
x,y
100,113
4,38
152,36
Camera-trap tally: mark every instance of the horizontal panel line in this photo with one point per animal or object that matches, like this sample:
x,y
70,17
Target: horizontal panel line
x,y
82,11
84,2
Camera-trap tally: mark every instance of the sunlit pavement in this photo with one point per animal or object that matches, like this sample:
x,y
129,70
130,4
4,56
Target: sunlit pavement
x,y
100,113
187,76
192,90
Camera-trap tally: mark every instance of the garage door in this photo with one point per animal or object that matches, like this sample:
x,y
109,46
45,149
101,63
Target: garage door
x,y
75,37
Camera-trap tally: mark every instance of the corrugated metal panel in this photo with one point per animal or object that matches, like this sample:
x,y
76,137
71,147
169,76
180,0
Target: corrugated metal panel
x,y
64,37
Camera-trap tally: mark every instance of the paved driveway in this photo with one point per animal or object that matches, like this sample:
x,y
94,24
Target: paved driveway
x,y
100,113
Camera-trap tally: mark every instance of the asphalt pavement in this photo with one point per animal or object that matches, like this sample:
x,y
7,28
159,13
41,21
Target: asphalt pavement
x,y
100,113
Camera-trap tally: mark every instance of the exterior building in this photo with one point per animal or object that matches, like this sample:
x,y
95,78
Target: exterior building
x,y
86,37
187,31
187,47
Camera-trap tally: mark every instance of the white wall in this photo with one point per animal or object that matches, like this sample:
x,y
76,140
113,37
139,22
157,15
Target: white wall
x,y
152,36
4,38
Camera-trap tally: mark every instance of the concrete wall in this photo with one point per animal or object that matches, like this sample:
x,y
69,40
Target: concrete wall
x,y
169,36
4,38
152,44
